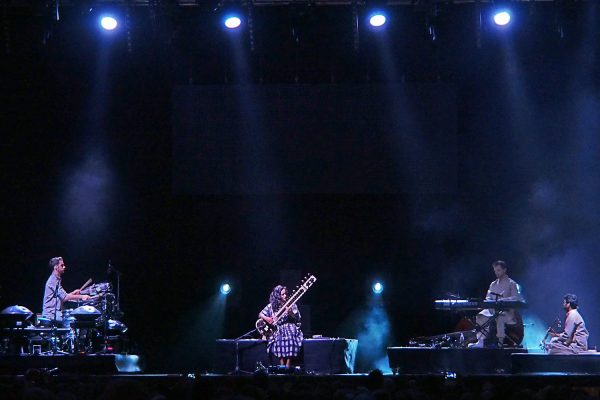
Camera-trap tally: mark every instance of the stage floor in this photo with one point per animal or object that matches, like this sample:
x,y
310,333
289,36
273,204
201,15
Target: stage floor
x,y
403,361
97,374
506,361
216,386
97,364
90,377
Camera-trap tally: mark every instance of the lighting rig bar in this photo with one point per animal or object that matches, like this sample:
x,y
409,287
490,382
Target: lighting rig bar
x,y
256,3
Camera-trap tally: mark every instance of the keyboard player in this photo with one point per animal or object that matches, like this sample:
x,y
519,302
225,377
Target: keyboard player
x,y
502,289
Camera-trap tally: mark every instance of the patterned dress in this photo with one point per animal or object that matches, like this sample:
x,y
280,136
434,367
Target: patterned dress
x,y
287,340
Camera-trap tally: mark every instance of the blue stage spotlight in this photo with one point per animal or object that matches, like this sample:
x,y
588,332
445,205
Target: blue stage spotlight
x,y
377,287
232,21
377,19
108,22
225,288
501,17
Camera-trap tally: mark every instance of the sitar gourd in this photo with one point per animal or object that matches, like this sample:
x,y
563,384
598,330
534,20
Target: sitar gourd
x,y
266,329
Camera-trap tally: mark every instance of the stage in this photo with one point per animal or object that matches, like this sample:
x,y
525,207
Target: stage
x,y
88,376
489,362
96,364
318,356
329,358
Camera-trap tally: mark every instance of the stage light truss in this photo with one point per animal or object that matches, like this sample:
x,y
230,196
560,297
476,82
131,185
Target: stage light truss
x,y
256,3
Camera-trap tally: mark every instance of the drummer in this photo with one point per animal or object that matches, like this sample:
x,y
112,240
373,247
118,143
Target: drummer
x,y
54,294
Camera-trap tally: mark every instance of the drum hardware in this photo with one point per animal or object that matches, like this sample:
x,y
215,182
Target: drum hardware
x,y
105,347
42,322
13,320
112,270
94,324
97,289
15,317
88,320
55,340
93,320
115,327
112,331
12,341
86,313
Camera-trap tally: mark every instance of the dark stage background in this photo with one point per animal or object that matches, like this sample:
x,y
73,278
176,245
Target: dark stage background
x,y
186,160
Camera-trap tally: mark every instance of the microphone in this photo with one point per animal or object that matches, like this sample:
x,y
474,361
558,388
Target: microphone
x,y
110,268
496,294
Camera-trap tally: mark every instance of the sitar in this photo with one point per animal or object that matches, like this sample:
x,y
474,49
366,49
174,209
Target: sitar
x,y
549,331
567,341
266,329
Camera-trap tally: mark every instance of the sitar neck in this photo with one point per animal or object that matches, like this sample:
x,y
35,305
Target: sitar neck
x,y
295,297
290,302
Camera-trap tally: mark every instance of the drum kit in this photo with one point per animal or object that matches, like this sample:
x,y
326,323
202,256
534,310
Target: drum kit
x,y
87,327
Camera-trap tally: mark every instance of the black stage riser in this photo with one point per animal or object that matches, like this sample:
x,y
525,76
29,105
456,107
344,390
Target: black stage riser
x,y
417,360
428,361
321,356
72,364
536,364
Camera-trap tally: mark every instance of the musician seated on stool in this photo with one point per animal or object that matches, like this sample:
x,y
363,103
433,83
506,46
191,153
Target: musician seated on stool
x,y
574,338
502,289
286,341
54,294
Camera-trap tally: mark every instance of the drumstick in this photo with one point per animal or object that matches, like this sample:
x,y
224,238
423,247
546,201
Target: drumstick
x,y
86,284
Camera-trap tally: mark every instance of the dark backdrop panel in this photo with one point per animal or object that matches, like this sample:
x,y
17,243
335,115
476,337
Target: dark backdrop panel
x,y
269,139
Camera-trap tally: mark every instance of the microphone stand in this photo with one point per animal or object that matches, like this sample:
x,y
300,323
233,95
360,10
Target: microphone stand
x,y
111,269
56,302
236,342
106,312
106,324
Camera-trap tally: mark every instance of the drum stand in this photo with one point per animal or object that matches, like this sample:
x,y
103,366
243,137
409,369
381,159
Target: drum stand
x,y
236,341
105,327
104,338
112,269
54,338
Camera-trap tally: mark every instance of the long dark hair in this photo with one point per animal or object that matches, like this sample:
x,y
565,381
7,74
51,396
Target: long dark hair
x,y
275,297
